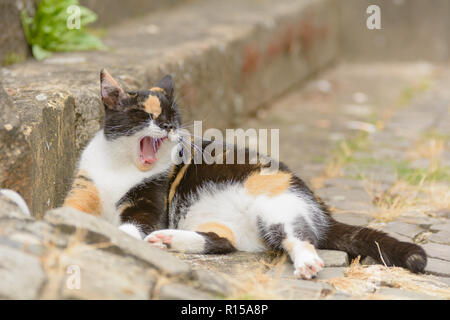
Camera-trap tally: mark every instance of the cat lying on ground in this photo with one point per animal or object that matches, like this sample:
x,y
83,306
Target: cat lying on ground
x,y
127,175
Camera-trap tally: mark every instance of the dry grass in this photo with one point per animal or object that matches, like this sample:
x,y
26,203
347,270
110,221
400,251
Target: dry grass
x,y
257,283
364,281
431,149
418,190
342,155
402,197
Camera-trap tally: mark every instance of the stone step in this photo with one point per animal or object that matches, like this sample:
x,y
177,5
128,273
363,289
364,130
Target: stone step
x,y
113,11
228,58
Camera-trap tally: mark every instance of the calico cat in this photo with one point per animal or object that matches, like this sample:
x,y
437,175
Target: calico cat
x,y
127,175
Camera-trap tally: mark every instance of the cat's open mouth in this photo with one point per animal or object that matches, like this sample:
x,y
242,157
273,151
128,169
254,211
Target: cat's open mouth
x,y
148,148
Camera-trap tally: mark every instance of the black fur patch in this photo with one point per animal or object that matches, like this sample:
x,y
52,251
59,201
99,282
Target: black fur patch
x,y
216,244
363,241
148,202
303,231
124,123
272,235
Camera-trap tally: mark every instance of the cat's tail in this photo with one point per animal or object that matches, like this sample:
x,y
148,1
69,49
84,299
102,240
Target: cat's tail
x,y
368,242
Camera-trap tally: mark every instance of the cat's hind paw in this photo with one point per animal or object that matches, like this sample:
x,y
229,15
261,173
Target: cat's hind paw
x,y
308,268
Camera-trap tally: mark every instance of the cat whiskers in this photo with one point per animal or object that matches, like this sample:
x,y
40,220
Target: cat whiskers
x,y
188,145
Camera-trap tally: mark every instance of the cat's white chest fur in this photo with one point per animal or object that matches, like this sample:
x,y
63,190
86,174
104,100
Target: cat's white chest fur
x,y
114,172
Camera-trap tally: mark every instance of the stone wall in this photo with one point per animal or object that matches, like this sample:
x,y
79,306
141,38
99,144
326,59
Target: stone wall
x,y
13,45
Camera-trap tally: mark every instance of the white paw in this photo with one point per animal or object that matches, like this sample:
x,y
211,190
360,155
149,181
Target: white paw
x,y
177,240
160,239
307,265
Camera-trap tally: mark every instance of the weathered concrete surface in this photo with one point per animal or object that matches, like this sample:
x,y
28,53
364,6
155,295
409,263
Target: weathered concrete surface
x,y
39,148
177,291
303,289
72,255
243,269
112,12
238,55
399,294
15,162
17,284
66,220
235,263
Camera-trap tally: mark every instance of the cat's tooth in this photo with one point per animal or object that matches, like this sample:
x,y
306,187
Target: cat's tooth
x,y
154,146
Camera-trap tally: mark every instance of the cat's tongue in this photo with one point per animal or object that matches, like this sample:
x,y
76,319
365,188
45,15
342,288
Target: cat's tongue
x,y
148,150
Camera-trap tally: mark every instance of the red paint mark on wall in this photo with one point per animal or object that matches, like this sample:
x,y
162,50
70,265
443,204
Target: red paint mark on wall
x,y
251,60
306,33
282,44
309,33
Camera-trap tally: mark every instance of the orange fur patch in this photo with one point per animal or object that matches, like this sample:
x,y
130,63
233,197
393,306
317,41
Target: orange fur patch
x,y
158,89
289,247
84,195
219,229
176,182
309,247
271,185
153,105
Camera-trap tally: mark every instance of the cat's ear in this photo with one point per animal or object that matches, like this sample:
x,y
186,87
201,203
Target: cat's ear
x,y
111,92
167,84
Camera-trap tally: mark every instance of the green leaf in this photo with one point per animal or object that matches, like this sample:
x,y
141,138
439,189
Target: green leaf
x,y
48,30
40,53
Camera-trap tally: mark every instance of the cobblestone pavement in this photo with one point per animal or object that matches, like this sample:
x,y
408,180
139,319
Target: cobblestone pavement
x,y
373,140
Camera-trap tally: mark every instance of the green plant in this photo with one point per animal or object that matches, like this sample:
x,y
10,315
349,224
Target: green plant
x,y
50,30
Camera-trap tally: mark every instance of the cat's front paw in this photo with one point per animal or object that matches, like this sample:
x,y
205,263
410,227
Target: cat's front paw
x,y
159,240
308,266
177,240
